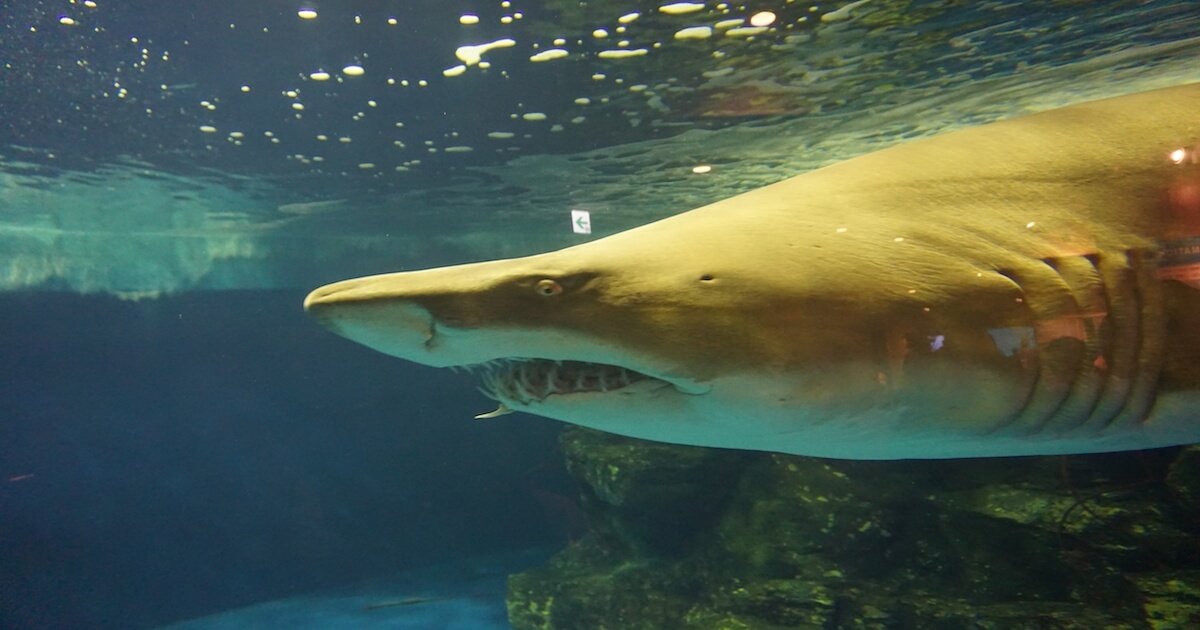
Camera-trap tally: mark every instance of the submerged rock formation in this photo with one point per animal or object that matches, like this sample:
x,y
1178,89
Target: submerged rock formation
x,y
704,539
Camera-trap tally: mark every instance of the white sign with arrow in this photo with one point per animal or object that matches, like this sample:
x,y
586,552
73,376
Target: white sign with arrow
x,y
581,221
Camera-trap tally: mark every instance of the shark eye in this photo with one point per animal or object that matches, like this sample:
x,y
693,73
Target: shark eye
x,y
548,288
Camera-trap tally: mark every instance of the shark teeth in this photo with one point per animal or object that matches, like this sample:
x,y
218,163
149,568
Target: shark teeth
x,y
521,381
502,410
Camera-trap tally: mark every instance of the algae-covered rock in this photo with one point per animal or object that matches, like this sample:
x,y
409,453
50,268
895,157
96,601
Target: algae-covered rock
x,y
694,538
1171,599
588,587
1184,481
648,496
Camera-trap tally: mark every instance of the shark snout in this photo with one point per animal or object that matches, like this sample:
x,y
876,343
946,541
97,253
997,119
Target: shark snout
x,y
326,302
338,293
318,299
358,310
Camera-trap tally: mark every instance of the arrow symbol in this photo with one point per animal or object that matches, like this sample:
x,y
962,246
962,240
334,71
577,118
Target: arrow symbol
x,y
581,221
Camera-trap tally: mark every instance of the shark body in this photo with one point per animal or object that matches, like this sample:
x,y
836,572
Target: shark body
x,y
1030,286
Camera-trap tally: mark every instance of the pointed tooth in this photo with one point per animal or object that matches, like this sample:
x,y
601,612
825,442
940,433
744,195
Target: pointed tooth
x,y
583,378
502,410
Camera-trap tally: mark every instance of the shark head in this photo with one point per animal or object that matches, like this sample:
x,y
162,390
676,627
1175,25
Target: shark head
x,y
678,331
563,335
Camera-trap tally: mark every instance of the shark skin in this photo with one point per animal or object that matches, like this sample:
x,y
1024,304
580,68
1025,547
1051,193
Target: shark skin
x,y
1026,287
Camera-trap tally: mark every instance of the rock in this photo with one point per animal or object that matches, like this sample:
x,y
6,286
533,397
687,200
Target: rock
x,y
690,538
1184,481
651,497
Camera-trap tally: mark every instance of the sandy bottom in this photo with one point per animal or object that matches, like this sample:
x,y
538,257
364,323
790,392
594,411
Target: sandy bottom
x,y
466,595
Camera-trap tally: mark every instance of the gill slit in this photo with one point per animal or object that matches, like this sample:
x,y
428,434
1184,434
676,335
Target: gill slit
x,y
1099,347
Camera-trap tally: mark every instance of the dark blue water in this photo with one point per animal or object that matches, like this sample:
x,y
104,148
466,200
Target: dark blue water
x,y
174,457
165,459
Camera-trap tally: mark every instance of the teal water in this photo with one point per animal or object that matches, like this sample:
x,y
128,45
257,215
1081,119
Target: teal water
x,y
178,440
464,595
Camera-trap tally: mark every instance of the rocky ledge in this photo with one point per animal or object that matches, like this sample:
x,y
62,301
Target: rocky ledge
x,y
706,539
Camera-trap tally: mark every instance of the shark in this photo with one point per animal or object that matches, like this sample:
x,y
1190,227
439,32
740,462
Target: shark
x,y
1025,287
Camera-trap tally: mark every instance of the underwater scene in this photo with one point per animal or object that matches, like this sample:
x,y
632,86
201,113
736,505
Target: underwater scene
x,y
599,314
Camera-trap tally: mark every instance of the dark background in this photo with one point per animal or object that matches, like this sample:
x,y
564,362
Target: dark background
x,y
164,459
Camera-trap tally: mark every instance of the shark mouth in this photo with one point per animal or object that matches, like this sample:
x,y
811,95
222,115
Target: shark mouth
x,y
522,381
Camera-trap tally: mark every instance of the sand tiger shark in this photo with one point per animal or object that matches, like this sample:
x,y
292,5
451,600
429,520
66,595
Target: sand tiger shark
x,y
1030,286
